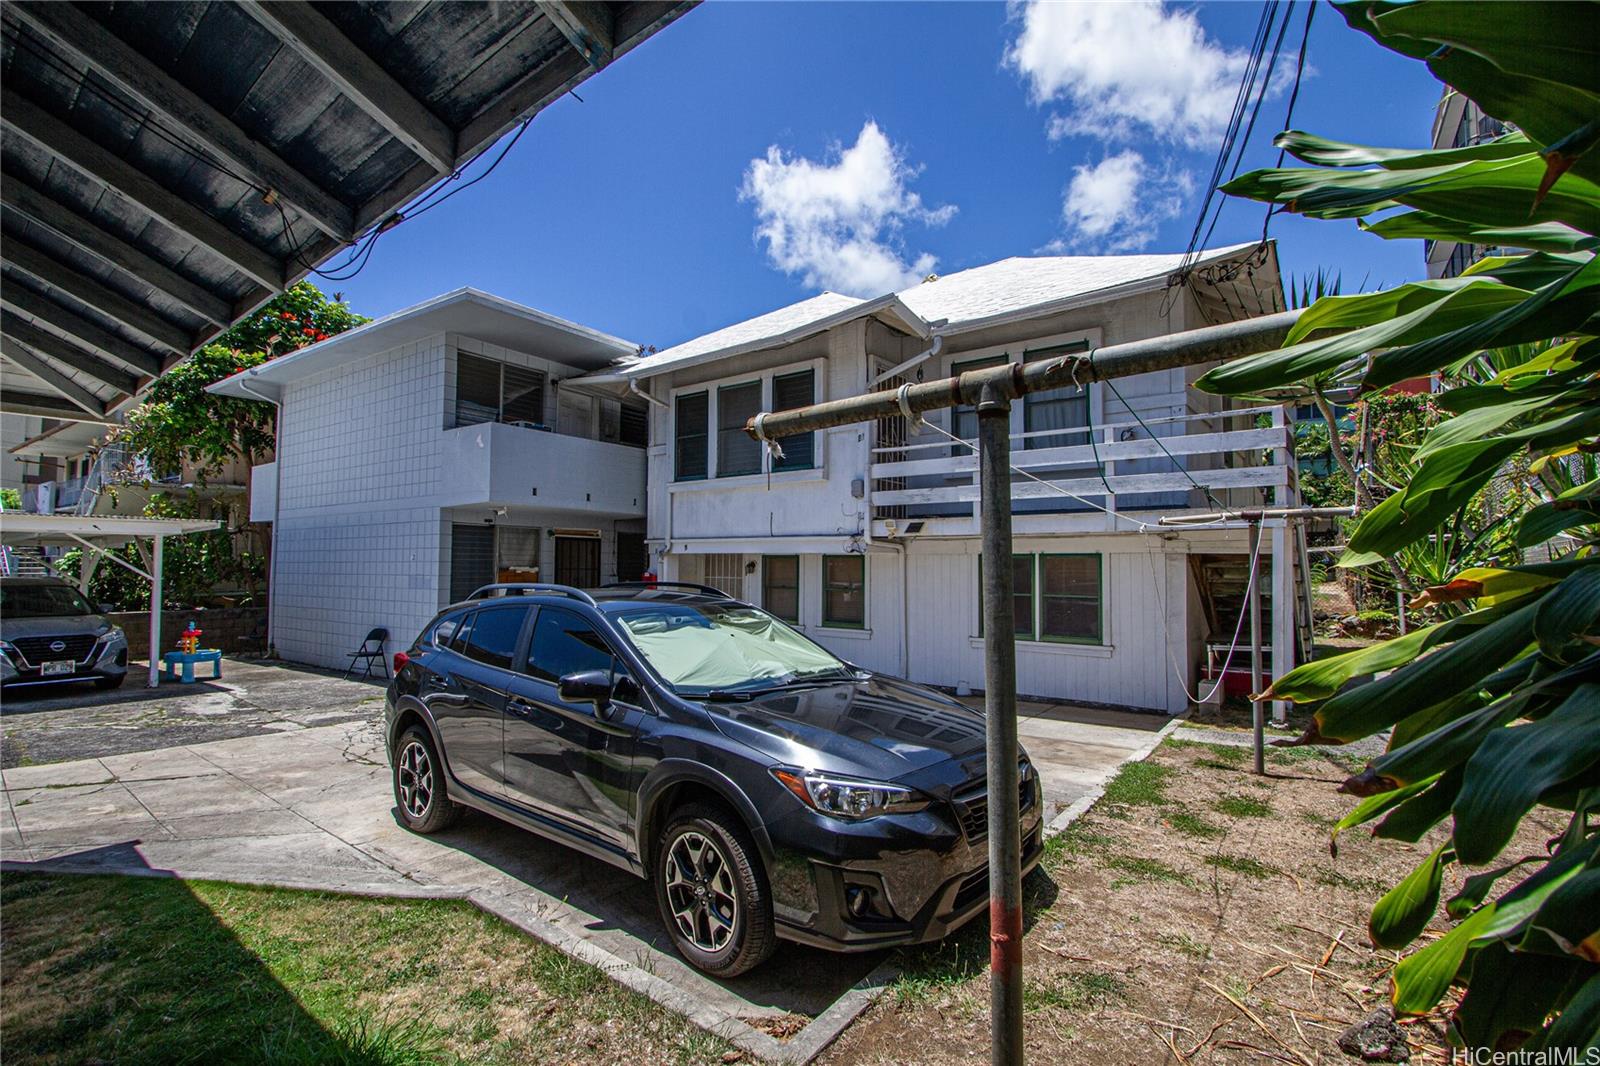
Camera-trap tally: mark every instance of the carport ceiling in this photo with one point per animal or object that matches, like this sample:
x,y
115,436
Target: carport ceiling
x,y
168,166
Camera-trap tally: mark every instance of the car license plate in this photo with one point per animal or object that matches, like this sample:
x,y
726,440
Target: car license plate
x,y
56,668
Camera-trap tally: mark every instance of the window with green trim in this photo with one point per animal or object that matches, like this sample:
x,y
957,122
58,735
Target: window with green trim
x,y
690,436
1022,595
1070,602
844,591
964,417
780,586
788,392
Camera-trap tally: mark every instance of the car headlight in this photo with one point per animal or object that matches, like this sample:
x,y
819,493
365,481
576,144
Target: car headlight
x,y
848,798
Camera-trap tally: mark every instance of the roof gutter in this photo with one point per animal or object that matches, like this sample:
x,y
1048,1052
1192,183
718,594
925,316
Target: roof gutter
x,y
633,387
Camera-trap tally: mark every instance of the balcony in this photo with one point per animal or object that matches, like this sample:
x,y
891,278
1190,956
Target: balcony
x,y
497,463
1123,470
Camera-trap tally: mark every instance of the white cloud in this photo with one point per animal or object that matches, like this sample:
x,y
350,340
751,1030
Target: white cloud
x,y
838,223
1125,69
1117,204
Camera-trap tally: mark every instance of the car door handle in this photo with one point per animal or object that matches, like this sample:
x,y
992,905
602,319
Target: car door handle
x,y
520,708
448,699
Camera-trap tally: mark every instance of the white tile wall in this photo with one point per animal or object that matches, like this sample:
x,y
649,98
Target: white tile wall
x,y
358,537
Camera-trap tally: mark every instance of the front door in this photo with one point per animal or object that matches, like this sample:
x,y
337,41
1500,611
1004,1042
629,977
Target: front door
x,y
565,760
578,562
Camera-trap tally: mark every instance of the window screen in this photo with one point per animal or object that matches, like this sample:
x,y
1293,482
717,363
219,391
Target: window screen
x,y
477,390
690,431
780,586
523,396
737,451
565,644
493,640
790,391
1069,596
844,588
1022,593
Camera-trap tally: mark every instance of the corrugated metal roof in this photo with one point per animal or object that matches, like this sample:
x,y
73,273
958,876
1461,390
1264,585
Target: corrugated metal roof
x,y
168,165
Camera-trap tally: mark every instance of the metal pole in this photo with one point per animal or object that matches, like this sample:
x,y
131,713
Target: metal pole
x,y
155,614
1000,726
1255,645
1009,380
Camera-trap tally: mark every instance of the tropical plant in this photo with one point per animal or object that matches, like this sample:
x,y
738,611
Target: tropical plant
x,y
1492,714
180,421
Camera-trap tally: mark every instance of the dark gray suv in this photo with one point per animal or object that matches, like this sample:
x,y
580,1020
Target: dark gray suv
x,y
49,632
768,789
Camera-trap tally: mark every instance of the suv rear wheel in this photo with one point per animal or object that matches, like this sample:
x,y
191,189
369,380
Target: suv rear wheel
x,y
712,892
419,784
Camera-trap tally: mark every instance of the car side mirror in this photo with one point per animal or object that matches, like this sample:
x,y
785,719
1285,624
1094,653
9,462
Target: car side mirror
x,y
586,686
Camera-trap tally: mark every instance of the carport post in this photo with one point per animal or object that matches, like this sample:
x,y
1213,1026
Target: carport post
x,y
1000,729
155,613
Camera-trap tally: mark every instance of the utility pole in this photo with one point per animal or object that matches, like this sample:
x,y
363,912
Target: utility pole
x,y
991,391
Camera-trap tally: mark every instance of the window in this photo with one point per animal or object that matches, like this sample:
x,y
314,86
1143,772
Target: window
x,y
788,392
1022,596
522,392
491,391
737,451
780,586
1069,598
517,553
690,431
844,591
440,637
964,418
1063,408
635,426
565,644
477,390
493,640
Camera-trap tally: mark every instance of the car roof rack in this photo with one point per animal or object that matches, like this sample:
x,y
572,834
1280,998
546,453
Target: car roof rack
x,y
518,588
668,584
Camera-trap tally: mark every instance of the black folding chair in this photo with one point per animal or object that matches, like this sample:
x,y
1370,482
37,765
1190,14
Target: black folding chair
x,y
368,652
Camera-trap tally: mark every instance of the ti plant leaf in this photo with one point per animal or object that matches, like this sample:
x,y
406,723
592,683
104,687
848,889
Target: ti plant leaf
x,y
1407,908
1507,774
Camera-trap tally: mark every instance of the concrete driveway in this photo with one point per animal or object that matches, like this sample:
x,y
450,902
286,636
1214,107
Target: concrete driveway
x,y
287,801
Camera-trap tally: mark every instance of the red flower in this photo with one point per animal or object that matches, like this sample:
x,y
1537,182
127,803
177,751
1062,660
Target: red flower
x,y
309,332
287,317
321,336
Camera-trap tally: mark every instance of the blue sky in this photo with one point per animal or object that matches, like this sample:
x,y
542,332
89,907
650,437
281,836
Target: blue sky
x,y
754,153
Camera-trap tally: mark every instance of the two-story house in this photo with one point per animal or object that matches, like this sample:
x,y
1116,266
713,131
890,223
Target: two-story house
x,y
435,450
867,536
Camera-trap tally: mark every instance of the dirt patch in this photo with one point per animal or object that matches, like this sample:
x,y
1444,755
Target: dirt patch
x,y
1194,916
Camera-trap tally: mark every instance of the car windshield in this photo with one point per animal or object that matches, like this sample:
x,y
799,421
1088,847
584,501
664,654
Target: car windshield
x,y
41,601
703,648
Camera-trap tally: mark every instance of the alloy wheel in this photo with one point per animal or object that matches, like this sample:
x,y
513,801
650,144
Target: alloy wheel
x,y
701,892
414,778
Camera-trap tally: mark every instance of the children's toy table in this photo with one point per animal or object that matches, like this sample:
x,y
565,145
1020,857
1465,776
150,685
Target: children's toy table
x,y
172,660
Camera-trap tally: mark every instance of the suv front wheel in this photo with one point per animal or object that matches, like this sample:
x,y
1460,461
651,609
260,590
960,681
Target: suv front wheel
x,y
712,892
419,784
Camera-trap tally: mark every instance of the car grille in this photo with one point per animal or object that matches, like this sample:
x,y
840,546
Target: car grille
x,y
37,650
972,807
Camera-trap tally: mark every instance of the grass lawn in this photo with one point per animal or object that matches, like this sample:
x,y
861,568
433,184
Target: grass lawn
x,y
1193,915
146,970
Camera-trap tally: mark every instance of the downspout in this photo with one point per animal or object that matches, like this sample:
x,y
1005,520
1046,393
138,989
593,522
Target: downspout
x,y
271,648
633,387
921,357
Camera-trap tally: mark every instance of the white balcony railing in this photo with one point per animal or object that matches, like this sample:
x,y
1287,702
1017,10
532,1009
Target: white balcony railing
x,y
493,462
1234,465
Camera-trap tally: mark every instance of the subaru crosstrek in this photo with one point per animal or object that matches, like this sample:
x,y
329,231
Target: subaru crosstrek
x,y
49,632
768,789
